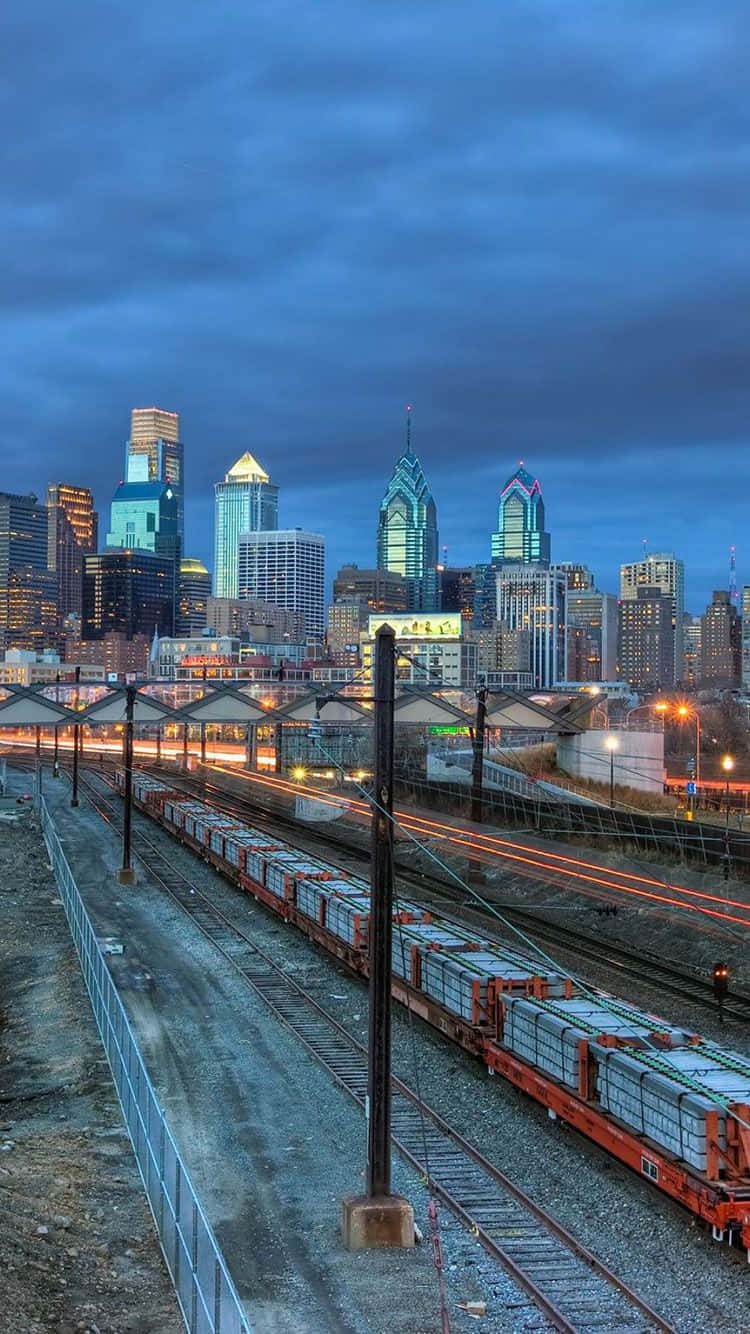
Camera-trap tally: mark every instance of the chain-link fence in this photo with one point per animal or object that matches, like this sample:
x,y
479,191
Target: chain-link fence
x,y
205,1292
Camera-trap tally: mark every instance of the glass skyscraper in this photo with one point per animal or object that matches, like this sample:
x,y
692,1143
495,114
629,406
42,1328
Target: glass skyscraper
x,y
246,502
154,453
28,588
520,532
407,541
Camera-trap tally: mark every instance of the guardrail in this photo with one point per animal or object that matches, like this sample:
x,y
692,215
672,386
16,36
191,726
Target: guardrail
x,y
205,1292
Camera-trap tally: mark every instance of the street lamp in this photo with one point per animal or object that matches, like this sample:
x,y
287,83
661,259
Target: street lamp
x,y
611,743
683,712
727,764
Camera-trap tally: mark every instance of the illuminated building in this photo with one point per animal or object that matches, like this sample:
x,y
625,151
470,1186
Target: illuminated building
x,y
287,568
154,453
691,644
646,639
131,591
193,592
245,502
346,619
250,617
577,577
431,649
72,530
28,589
382,590
407,540
591,620
521,535
661,570
532,598
458,589
721,642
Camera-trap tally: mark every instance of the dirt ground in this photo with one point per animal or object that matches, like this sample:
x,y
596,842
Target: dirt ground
x,y
78,1251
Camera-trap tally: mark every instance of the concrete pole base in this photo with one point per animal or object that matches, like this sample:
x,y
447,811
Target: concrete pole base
x,y
383,1220
126,877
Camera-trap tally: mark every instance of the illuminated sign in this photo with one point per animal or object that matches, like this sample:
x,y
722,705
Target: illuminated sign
x,y
203,660
435,625
440,730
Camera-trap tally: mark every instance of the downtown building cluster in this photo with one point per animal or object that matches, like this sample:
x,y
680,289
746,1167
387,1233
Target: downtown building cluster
x,y
139,603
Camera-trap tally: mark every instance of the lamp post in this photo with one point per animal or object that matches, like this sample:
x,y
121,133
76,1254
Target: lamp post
x,y
727,765
74,795
611,743
126,875
55,760
683,712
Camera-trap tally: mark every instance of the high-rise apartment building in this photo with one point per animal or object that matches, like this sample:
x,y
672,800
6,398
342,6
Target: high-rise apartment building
x,y
578,577
646,639
72,533
458,589
721,642
407,539
28,588
246,502
532,598
691,644
346,620
521,536
154,453
382,590
663,571
193,592
246,618
592,634
287,568
129,591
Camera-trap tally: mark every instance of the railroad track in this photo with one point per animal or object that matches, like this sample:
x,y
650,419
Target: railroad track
x,y
575,1291
663,976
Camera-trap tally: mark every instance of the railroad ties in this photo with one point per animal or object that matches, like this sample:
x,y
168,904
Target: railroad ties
x,y
574,1291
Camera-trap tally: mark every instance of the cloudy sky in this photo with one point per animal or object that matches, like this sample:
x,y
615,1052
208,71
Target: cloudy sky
x,y
287,220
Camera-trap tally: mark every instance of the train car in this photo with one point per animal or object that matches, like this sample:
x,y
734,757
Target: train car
x,y
673,1107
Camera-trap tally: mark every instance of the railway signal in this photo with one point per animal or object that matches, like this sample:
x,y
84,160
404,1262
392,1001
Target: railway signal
x,y
721,984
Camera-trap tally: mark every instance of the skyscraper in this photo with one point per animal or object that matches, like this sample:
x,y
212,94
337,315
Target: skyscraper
x,y
662,570
28,589
591,619
154,453
646,639
193,592
382,590
72,532
129,591
145,515
532,598
721,642
520,532
246,502
407,540
285,567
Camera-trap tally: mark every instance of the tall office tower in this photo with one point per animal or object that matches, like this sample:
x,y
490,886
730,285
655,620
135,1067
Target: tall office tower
x,y
246,502
154,453
691,640
485,596
347,618
592,635
382,590
662,570
193,592
646,639
145,515
129,591
287,568
532,598
721,642
407,540
72,533
458,589
28,588
520,532
576,576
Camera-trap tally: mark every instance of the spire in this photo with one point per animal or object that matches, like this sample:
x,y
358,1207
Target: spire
x,y
154,654
408,428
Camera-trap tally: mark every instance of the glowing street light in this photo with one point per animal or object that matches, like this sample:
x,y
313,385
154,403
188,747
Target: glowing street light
x,y
727,764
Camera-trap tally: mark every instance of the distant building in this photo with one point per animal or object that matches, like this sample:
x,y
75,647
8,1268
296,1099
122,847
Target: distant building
x,y
286,568
646,639
28,588
193,593
23,667
245,502
691,649
131,591
577,577
72,533
458,589
407,540
521,536
207,653
431,649
154,453
119,655
382,590
592,625
347,618
501,650
143,515
532,598
746,637
663,571
721,642
248,617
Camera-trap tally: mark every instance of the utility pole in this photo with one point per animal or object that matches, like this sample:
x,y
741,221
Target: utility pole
x,y
203,725
126,874
477,768
380,1218
74,794
55,760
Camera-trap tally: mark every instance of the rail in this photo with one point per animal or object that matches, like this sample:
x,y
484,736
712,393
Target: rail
x,y
205,1292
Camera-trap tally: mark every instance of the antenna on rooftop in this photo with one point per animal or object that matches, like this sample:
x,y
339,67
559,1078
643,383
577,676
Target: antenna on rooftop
x,y
408,428
733,594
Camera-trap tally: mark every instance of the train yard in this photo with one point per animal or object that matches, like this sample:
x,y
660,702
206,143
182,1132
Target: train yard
x,y
495,1216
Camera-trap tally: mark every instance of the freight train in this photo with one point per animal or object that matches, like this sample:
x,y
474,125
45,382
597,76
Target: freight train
x,y
670,1105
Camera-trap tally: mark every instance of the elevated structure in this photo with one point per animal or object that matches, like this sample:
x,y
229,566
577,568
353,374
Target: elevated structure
x,y
521,535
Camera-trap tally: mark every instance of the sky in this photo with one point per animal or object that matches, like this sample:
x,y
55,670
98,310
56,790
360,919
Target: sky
x,y
287,220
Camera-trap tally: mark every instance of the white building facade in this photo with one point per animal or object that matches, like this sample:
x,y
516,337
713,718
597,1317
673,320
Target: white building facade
x,y
662,570
532,598
287,568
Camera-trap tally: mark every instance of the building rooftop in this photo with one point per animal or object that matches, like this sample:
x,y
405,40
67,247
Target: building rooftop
x,y
247,469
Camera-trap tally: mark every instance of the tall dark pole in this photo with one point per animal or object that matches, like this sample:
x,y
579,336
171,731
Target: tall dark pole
x,y
381,924
126,873
158,744
726,837
203,725
74,794
55,760
612,779
185,746
477,768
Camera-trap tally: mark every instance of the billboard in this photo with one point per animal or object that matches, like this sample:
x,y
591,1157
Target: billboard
x,y
419,625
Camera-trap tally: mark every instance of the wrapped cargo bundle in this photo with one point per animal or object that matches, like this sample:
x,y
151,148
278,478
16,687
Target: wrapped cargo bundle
x,y
463,982
426,936
309,895
277,864
347,913
281,875
224,829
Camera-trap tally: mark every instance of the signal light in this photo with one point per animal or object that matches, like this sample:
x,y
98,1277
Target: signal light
x,y
721,981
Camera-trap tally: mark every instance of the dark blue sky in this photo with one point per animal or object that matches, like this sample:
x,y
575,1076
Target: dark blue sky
x,y
287,220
